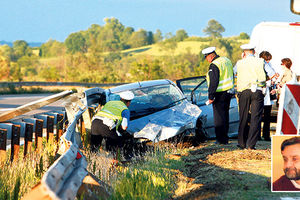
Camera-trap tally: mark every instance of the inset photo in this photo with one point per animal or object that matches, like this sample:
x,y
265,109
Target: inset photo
x,y
285,163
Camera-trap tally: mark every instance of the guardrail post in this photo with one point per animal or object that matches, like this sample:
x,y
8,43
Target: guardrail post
x,y
28,138
15,142
82,129
13,134
38,130
3,141
59,126
39,135
50,128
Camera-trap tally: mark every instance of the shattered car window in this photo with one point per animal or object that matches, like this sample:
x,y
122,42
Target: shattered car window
x,y
152,99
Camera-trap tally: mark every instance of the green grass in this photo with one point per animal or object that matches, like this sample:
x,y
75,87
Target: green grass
x,y
150,177
193,47
18,177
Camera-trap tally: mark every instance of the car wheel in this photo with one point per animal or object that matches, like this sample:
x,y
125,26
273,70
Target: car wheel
x,y
201,134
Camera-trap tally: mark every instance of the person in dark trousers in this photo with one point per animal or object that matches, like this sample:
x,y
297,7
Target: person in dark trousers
x,y
290,151
111,123
220,90
271,77
251,79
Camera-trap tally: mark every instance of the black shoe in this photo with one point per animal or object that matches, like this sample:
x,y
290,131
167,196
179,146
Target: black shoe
x,y
240,147
267,139
251,148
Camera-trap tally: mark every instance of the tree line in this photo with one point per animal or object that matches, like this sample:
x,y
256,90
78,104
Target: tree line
x,y
96,55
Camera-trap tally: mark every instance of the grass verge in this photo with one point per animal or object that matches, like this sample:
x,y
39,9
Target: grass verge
x,y
18,177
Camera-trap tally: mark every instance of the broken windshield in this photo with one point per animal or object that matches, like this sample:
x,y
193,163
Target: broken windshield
x,y
151,99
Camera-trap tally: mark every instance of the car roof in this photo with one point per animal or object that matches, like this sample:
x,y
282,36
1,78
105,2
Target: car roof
x,y
136,85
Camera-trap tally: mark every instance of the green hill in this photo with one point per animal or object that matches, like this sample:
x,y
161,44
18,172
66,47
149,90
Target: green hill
x,y
193,47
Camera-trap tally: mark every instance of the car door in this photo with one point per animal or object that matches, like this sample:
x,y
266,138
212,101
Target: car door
x,y
196,91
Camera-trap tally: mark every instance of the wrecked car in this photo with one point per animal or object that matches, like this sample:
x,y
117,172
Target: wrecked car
x,y
159,110
162,110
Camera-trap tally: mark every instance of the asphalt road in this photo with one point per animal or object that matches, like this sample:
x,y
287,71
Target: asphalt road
x,y
9,102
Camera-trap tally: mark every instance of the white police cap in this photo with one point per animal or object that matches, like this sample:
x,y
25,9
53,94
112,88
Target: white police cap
x,y
247,46
127,95
208,50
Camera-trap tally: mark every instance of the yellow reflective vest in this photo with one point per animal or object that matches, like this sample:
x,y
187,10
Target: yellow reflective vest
x,y
225,67
113,110
250,71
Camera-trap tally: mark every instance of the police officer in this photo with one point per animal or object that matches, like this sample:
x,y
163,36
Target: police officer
x,y
111,123
251,79
220,88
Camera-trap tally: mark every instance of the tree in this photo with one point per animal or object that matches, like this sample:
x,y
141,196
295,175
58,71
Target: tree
x,y
146,70
52,48
76,43
20,48
28,66
4,68
157,36
138,38
150,38
244,35
126,36
214,29
50,73
110,36
181,34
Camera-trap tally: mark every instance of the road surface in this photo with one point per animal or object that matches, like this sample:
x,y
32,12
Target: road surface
x,y
9,102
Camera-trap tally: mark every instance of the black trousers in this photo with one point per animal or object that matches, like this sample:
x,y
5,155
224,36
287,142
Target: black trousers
x,y
221,116
253,102
267,121
99,131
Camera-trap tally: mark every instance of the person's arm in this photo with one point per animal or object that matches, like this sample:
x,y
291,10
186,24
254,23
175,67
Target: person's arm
x,y
214,75
269,70
126,117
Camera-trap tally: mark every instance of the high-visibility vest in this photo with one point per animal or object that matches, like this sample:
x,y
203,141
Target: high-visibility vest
x,y
226,81
250,71
113,110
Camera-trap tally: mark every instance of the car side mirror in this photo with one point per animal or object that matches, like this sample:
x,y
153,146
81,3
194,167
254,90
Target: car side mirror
x,y
295,6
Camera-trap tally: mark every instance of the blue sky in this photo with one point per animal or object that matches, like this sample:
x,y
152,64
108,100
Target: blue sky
x,y
41,20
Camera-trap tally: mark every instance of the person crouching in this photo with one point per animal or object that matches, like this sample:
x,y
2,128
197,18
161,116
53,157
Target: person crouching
x,y
110,123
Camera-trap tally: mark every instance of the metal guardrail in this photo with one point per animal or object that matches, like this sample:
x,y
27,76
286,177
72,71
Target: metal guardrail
x,y
68,176
19,84
33,105
31,128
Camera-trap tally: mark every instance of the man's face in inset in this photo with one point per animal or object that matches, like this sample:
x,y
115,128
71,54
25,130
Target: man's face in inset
x,y
291,158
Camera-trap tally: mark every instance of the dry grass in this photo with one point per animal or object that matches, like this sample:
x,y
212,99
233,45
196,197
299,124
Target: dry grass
x,y
213,171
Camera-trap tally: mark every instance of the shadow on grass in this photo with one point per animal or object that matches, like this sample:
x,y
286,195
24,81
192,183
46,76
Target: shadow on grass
x,y
214,182
136,51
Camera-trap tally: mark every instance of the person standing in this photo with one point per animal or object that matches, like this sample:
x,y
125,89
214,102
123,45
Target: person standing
x,y
287,75
220,89
251,79
111,123
271,74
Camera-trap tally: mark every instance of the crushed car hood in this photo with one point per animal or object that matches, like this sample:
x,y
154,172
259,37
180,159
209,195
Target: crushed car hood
x,y
166,123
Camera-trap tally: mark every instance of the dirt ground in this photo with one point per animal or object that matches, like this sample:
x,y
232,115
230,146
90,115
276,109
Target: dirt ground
x,y
213,171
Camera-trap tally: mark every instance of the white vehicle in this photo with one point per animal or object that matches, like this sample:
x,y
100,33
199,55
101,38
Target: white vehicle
x,y
281,39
